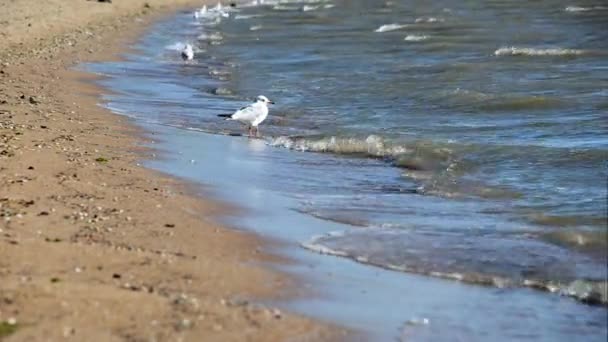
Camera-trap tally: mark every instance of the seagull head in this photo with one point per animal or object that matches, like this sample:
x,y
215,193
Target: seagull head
x,y
263,99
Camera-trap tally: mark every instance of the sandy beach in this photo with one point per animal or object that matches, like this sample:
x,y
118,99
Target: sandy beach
x,y
93,247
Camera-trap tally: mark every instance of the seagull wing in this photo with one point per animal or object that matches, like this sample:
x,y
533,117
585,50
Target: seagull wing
x,y
246,114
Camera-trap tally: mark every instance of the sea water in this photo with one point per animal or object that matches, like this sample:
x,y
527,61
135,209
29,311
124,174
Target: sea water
x,y
457,140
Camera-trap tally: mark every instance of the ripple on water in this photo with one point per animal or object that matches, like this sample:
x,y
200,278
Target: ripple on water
x,y
389,27
490,260
415,38
519,51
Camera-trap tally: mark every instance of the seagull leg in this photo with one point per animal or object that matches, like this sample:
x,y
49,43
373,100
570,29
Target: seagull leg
x,y
249,131
257,132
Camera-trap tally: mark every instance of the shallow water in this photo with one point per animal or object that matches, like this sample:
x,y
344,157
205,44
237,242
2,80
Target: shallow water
x,y
465,141
386,305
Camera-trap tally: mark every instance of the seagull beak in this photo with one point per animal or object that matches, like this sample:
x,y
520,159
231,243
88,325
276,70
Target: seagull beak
x,y
271,102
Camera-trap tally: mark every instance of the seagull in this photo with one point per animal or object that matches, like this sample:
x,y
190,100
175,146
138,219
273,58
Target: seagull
x,y
187,53
200,13
251,115
219,10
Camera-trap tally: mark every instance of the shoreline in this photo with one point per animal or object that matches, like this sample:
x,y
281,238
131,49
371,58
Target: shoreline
x,y
84,226
273,183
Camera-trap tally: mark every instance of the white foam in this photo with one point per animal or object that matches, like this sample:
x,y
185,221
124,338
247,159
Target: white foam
x,y
576,9
415,38
215,36
389,27
211,22
246,16
314,245
428,20
322,249
308,8
584,9
255,27
515,51
373,145
269,2
285,8
253,3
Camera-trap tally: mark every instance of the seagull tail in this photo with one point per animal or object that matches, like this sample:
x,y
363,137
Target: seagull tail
x,y
227,116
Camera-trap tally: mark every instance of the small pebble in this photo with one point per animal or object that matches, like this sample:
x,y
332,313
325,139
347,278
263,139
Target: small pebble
x,y
67,331
185,323
276,313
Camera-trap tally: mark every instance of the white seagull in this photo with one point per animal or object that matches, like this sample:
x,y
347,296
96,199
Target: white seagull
x,y
251,115
201,12
188,52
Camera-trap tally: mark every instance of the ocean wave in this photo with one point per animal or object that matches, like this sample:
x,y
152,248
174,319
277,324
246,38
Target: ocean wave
x,y
593,242
440,168
434,165
516,103
449,186
372,145
215,36
415,38
415,155
285,8
568,220
428,20
308,8
485,268
584,9
221,91
516,51
389,27
220,74
246,16
336,216
212,22
502,101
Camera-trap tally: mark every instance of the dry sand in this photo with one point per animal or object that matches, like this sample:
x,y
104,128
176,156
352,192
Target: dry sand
x,y
92,246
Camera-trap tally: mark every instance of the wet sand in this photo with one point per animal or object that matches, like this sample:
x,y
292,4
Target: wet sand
x,y
92,245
